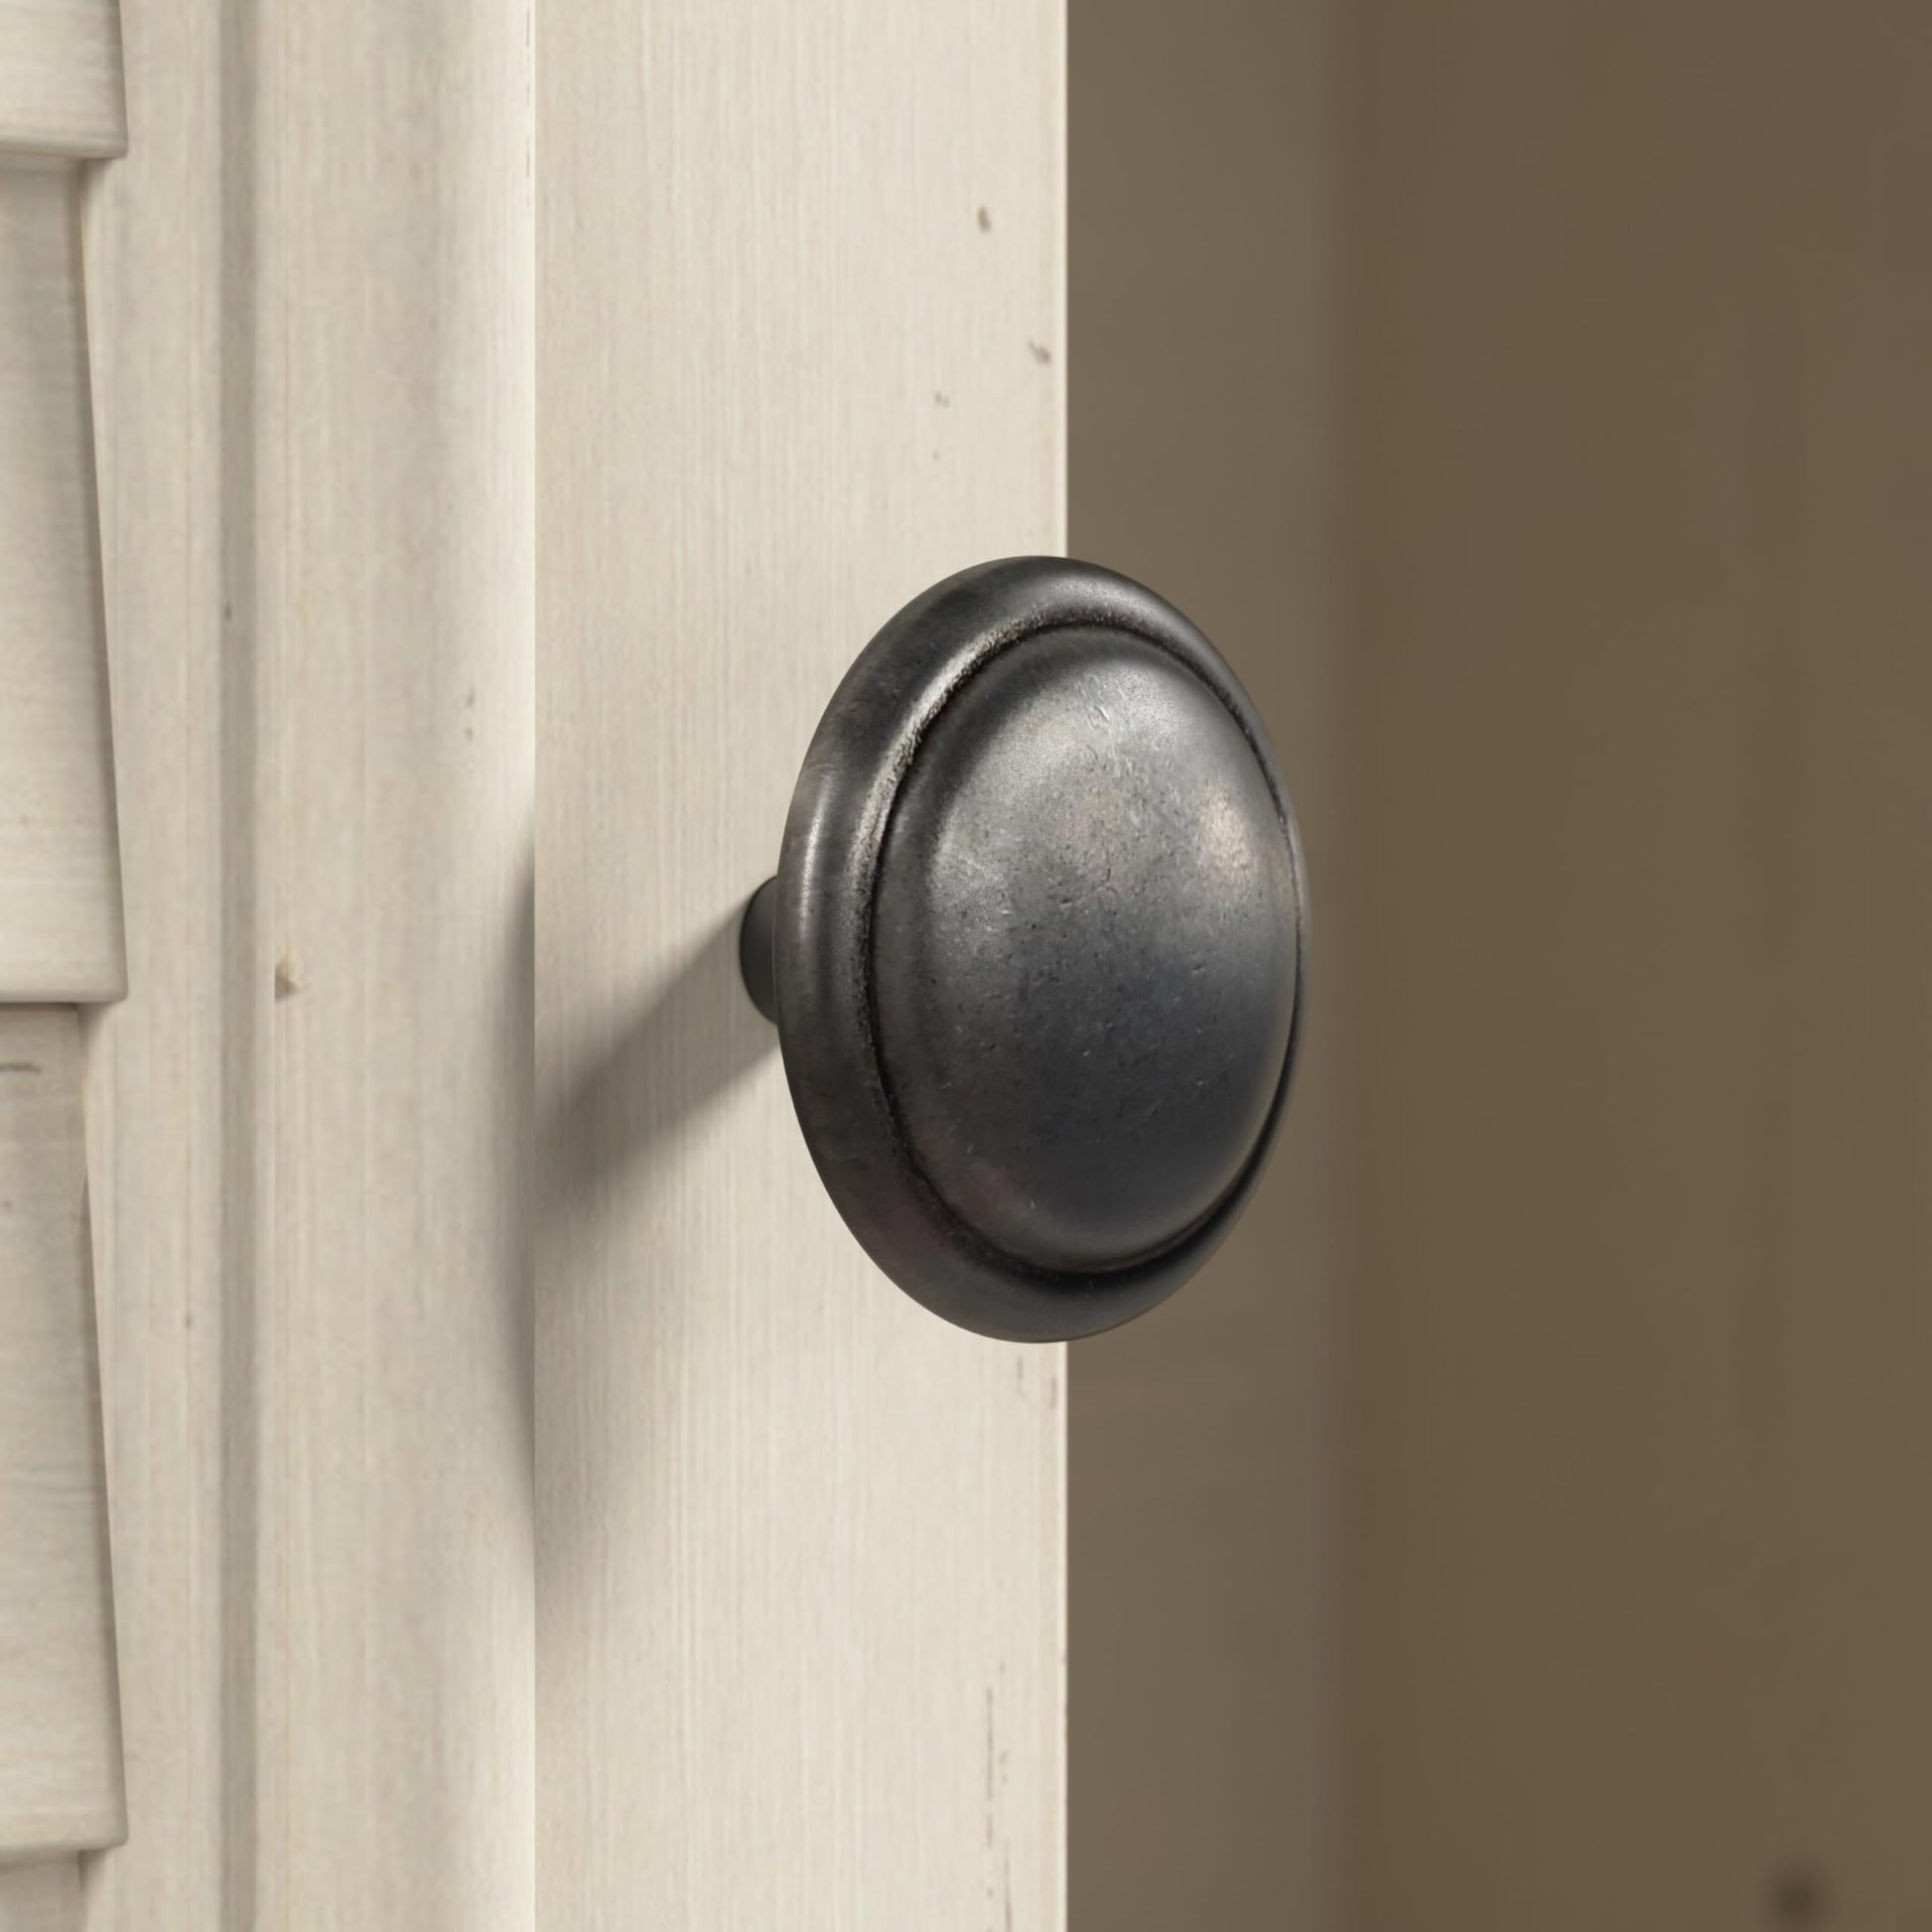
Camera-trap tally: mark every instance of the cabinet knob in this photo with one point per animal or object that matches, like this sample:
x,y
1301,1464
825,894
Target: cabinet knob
x,y
1036,949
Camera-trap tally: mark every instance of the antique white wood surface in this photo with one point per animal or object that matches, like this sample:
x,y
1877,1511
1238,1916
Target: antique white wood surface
x,y
60,877
310,293
60,77
42,1897
800,1544
60,1783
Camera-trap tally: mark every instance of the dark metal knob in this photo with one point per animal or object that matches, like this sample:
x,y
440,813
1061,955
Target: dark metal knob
x,y
1034,948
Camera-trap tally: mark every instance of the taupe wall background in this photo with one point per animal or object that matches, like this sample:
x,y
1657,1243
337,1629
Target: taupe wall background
x,y
1205,402
1528,1524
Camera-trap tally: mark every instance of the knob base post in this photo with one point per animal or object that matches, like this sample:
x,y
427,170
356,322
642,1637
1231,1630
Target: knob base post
x,y
754,953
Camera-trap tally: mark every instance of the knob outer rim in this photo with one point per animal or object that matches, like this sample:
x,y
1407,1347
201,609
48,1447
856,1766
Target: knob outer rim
x,y
828,869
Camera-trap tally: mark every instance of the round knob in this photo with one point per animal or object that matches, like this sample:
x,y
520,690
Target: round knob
x,y
1034,948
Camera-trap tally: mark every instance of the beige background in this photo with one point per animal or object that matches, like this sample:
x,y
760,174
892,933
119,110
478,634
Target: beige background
x,y
1525,1524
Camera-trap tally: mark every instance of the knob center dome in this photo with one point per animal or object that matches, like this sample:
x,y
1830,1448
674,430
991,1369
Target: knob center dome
x,y
1083,951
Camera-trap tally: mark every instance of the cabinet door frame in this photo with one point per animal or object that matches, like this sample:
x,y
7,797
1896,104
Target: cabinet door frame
x,y
310,297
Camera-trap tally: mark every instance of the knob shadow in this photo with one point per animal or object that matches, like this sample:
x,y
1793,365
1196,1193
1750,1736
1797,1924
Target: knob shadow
x,y
691,1040
610,1133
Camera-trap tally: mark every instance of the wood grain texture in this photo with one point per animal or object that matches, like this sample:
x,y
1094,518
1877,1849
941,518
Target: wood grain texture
x,y
61,88
60,1785
311,1125
59,869
800,1544
40,1897
1646,1450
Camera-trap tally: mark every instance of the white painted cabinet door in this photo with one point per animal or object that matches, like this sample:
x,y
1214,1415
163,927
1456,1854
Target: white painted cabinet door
x,y
529,1507
310,297
799,1543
